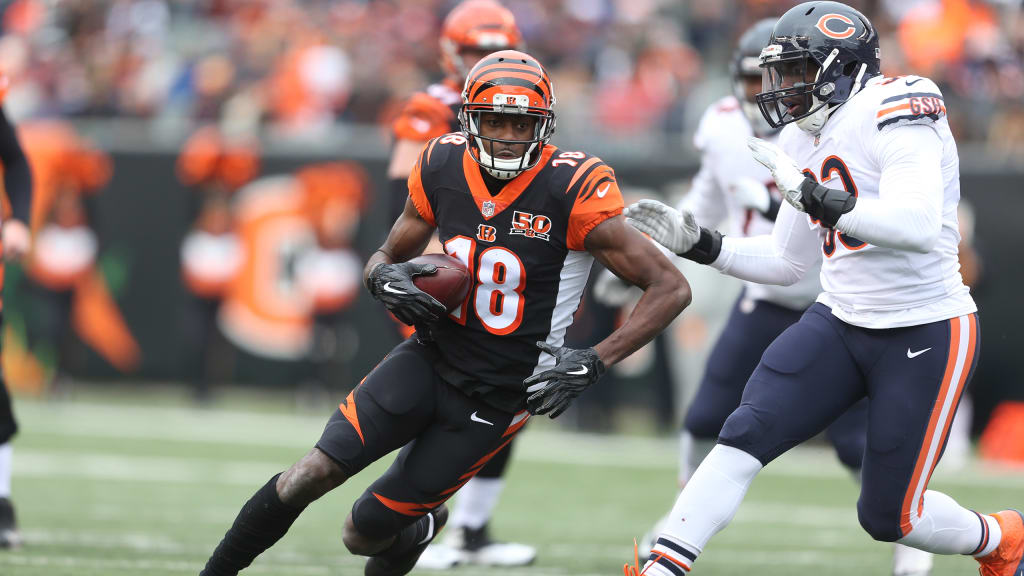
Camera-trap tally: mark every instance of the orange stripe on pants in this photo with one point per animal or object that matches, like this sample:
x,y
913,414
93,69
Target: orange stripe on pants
x,y
963,336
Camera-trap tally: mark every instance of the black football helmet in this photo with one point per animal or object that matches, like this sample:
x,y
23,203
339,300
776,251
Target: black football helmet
x,y
841,44
746,64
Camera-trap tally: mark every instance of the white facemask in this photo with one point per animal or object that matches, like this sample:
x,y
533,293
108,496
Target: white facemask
x,y
503,168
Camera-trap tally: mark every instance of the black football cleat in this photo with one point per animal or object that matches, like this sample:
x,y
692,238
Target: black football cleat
x,y
398,566
9,535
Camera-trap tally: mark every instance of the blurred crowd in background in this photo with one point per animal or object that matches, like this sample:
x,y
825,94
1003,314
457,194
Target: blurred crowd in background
x,y
212,257
620,66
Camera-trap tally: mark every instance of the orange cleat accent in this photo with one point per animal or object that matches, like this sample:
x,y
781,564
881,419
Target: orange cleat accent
x,y
635,570
1008,558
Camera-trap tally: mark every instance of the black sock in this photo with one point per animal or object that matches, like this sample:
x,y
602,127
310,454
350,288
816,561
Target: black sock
x,y
263,520
411,537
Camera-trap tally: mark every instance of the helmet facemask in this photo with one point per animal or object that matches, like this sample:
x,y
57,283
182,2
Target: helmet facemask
x,y
744,72
797,88
482,148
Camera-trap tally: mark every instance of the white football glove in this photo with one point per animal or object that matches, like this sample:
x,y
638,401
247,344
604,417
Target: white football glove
x,y
613,291
675,230
784,169
751,194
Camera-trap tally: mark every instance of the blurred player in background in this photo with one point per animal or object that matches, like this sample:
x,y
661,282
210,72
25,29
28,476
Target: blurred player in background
x,y
16,241
472,30
732,186
527,220
69,286
214,166
870,174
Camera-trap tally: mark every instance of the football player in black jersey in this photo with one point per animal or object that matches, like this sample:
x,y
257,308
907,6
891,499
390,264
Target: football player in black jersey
x,y
15,241
528,220
471,30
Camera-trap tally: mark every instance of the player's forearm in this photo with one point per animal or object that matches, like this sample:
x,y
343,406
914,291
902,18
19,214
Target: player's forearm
x,y
780,258
661,303
754,259
902,224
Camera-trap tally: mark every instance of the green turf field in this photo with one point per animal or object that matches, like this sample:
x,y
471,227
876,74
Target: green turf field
x,y
126,487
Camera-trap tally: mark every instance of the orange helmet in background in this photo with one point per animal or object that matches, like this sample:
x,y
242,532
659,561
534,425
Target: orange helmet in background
x,y
507,82
480,25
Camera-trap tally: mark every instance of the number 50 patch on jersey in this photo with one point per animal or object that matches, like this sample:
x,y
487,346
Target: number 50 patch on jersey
x,y
530,225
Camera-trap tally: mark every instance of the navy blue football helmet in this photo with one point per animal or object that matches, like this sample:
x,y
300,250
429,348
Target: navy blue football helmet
x,y
820,54
745,67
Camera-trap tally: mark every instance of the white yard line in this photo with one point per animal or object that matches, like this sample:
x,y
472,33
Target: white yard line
x,y
225,428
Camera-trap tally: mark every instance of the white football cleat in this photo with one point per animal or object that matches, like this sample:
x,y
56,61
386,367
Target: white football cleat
x,y
474,546
907,561
439,557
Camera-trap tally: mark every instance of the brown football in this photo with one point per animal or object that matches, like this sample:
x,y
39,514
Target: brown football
x,y
449,285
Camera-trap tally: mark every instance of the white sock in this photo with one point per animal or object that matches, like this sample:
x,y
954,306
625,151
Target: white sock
x,y
476,502
706,505
5,470
692,451
995,535
945,527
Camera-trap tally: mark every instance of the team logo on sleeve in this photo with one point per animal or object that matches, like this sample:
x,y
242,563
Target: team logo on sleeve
x,y
530,225
486,233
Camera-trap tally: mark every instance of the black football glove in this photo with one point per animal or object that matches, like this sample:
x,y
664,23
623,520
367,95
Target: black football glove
x,y
392,285
574,371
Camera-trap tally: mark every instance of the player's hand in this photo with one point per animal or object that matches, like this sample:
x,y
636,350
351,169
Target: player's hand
x,y
574,371
392,285
751,194
675,230
784,170
16,239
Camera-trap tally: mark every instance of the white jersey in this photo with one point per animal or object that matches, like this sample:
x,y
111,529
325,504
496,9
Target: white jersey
x,y
868,285
721,137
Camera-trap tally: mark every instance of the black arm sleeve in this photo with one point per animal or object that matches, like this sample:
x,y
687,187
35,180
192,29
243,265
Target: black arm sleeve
x,y
17,175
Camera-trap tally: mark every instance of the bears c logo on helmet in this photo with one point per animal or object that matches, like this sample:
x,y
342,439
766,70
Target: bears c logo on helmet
x,y
846,30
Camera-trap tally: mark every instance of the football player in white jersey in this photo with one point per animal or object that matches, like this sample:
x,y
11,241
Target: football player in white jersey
x,y
870,175
732,186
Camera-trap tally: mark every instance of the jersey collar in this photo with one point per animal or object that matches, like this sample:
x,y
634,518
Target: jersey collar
x,y
509,193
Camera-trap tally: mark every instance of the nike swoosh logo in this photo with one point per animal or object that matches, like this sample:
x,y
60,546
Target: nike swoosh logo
x,y
476,418
580,372
914,82
387,288
603,191
916,354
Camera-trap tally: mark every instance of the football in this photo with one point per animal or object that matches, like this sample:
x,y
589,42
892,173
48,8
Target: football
x,y
449,285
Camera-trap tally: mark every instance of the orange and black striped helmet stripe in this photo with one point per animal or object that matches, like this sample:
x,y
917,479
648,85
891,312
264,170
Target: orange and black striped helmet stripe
x,y
509,68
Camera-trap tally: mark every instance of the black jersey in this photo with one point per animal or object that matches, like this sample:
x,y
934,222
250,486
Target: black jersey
x,y
524,250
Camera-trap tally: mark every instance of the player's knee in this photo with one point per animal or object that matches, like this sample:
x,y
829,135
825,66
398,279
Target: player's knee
x,y
358,543
703,424
745,430
372,521
309,478
878,525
